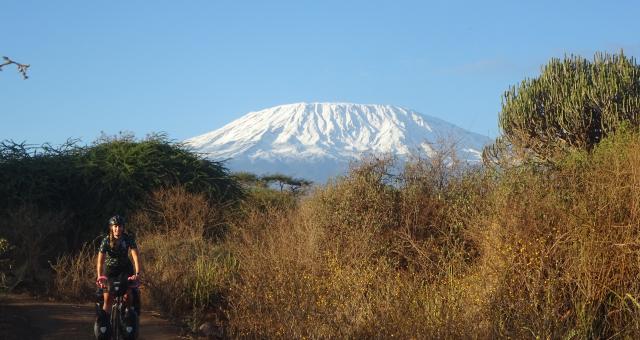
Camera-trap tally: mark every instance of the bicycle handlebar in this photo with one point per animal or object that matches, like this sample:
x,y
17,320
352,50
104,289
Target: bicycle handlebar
x,y
135,282
132,280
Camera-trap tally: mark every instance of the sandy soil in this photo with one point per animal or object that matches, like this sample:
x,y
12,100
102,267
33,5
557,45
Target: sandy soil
x,y
23,318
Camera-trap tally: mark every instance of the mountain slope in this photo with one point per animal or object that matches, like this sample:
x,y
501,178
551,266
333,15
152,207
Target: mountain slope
x,y
318,140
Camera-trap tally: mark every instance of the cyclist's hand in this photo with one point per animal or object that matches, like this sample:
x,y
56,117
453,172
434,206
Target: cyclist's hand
x,y
134,281
100,281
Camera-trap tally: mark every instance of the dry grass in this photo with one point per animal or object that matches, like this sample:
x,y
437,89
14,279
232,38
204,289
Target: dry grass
x,y
530,252
351,262
560,249
187,269
75,274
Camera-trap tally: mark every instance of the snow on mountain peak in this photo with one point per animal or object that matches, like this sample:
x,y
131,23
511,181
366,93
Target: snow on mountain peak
x,y
317,140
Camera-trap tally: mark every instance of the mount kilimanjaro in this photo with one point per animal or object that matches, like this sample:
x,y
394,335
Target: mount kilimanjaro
x,y
318,140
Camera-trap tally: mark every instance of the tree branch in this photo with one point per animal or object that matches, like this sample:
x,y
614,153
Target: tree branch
x,y
22,68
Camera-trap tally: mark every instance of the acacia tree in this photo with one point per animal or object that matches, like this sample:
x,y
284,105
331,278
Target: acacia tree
x,y
295,184
574,103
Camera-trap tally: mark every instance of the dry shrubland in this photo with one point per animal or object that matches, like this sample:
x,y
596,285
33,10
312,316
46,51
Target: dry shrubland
x,y
436,250
373,254
186,269
560,247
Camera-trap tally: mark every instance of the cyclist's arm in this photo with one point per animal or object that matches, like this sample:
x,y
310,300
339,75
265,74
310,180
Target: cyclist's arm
x,y
136,261
100,263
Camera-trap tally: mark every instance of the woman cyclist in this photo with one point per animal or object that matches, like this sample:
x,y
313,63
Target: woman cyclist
x,y
113,259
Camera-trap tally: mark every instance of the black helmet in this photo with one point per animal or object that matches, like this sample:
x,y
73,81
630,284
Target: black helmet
x,y
117,219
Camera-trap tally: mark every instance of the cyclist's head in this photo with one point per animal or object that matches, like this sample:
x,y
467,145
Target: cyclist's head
x,y
115,232
116,220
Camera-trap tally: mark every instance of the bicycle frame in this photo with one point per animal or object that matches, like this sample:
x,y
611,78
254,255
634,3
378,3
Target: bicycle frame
x,y
119,330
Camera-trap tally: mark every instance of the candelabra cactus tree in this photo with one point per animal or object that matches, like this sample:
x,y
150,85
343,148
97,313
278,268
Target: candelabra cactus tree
x,y
574,103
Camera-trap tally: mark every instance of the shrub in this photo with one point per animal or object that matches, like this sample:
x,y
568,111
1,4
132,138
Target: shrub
x,y
559,245
187,269
333,267
5,262
36,241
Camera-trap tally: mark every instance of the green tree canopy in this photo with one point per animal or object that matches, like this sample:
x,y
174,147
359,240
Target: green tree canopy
x,y
574,103
248,179
114,175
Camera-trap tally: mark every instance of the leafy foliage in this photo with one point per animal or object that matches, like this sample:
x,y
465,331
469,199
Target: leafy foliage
x,y
248,179
574,103
123,172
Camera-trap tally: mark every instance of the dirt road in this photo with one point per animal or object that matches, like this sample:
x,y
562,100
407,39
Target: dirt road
x,y
24,318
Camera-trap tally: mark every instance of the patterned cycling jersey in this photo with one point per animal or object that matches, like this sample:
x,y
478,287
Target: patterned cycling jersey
x,y
118,256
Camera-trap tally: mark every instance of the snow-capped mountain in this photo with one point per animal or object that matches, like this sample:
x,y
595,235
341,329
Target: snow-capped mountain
x,y
318,140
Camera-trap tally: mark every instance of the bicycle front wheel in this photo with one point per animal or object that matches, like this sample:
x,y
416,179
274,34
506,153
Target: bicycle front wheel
x,y
115,322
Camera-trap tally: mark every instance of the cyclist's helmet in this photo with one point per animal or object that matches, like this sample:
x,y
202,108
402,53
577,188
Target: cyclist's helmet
x,y
117,219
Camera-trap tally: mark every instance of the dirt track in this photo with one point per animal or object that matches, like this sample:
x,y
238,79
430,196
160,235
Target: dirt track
x,y
24,318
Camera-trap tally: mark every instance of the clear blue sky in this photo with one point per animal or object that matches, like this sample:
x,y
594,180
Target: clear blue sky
x,y
189,67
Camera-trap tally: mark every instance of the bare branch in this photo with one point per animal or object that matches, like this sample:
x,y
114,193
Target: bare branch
x,y
22,68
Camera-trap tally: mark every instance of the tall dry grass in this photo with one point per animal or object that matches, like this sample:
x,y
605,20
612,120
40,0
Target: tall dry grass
x,y
527,252
363,256
560,248
75,274
187,269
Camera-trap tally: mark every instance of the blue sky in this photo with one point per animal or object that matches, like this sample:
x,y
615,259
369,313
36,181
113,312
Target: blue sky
x,y
189,67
